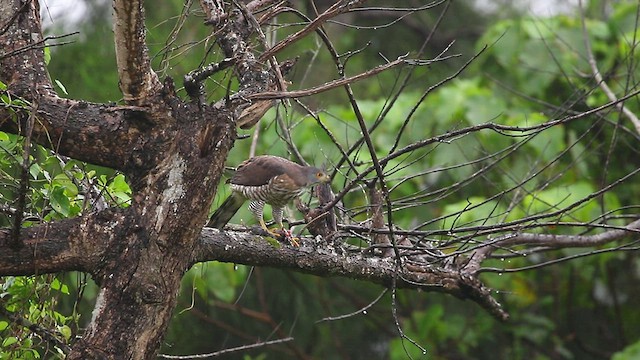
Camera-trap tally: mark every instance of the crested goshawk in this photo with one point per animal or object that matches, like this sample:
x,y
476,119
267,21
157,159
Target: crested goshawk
x,y
264,180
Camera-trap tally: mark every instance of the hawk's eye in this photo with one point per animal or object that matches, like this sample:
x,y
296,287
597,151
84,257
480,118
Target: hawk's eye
x,y
320,174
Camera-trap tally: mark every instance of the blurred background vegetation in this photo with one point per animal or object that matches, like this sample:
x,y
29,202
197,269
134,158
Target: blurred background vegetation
x,y
531,68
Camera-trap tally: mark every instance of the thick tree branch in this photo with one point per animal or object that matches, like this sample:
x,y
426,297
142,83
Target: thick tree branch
x,y
65,245
245,248
73,128
80,130
137,79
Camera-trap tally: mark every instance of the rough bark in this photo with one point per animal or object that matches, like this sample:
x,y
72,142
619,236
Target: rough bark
x,y
173,154
137,80
241,247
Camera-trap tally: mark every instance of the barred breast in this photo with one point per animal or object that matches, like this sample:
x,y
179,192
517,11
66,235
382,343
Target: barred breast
x,y
270,193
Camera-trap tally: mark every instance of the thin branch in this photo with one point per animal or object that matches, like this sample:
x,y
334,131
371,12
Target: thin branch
x,y
565,241
226,351
362,310
403,336
216,14
340,82
548,240
625,247
598,76
41,44
333,11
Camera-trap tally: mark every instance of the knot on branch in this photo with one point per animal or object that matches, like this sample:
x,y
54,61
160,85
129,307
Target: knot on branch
x,y
151,294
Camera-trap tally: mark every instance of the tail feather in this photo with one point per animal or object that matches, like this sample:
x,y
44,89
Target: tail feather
x,y
225,212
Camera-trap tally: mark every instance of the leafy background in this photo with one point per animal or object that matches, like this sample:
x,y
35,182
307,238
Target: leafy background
x,y
531,70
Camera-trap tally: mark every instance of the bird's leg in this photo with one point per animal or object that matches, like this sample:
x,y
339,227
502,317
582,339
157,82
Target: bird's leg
x,y
264,227
257,208
287,234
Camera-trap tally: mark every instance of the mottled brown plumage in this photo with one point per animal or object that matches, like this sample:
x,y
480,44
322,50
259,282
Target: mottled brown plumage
x,y
266,180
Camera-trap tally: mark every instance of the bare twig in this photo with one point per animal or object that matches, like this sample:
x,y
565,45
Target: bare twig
x,y
340,82
226,351
359,311
24,179
515,131
333,11
403,336
548,240
598,76
39,45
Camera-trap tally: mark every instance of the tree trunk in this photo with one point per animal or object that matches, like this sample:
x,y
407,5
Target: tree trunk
x,y
173,154
150,248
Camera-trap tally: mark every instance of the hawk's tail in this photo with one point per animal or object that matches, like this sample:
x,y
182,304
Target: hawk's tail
x,y
225,212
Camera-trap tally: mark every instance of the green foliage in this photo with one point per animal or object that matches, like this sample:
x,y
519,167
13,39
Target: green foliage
x,y
54,188
532,72
34,300
215,281
87,65
58,187
631,352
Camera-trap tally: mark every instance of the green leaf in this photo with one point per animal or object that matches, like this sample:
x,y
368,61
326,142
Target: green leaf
x,y
9,341
3,325
35,170
64,90
631,352
59,201
62,180
47,56
58,285
119,189
65,331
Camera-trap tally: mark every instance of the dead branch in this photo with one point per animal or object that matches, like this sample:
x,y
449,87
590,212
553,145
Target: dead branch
x,y
245,248
137,80
339,82
598,76
227,351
